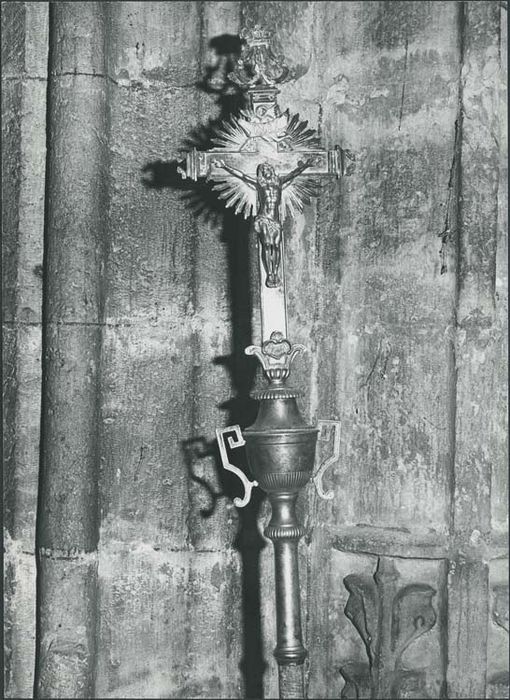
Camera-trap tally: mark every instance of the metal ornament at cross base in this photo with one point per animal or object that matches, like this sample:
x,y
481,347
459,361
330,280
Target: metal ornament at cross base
x,y
263,164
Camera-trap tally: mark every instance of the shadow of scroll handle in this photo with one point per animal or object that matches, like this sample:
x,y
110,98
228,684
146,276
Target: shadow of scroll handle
x,y
234,441
334,426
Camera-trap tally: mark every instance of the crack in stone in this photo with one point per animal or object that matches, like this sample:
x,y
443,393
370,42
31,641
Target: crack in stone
x,y
445,234
402,97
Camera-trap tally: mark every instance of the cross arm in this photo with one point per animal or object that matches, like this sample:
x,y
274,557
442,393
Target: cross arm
x,y
333,162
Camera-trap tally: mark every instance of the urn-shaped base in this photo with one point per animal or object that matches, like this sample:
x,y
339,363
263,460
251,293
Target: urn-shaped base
x,y
279,445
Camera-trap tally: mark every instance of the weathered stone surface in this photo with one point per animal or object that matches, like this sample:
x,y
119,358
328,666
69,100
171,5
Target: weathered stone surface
x,y
499,436
22,444
168,281
180,599
166,321
11,162
468,609
68,508
149,307
13,31
68,526
74,250
476,348
19,620
24,69
155,43
66,626
387,358
477,333
498,628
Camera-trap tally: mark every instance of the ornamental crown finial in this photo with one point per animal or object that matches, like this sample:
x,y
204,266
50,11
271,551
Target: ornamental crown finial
x,y
258,65
276,356
256,36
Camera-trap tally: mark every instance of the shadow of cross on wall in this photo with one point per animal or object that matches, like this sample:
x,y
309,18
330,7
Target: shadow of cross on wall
x,y
198,196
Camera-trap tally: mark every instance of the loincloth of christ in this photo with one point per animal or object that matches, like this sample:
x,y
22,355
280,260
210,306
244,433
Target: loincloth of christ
x,y
268,227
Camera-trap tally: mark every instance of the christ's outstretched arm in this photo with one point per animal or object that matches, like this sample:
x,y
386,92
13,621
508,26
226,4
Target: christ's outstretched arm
x,y
236,173
286,179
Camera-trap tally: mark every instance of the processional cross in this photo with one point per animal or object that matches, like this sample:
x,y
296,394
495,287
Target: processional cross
x,y
265,164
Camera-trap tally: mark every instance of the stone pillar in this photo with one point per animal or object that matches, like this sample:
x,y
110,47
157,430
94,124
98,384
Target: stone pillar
x,y
476,348
76,215
24,88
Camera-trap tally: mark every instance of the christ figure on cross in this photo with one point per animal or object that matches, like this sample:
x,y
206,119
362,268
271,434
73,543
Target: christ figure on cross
x,y
268,226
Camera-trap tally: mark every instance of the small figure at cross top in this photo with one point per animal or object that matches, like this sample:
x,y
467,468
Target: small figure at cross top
x,y
267,224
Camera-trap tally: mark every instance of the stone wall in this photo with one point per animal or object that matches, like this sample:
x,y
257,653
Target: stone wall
x,y
151,583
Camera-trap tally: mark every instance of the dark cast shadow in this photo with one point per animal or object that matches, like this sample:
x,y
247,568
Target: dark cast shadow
x,y
240,409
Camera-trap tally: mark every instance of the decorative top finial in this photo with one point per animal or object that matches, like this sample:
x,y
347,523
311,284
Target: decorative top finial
x,y
276,356
258,65
256,36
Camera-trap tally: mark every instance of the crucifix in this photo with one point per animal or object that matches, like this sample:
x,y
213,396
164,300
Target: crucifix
x,y
265,165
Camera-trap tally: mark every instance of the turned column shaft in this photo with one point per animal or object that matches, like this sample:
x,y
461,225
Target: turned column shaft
x,y
288,613
76,222
289,643
285,532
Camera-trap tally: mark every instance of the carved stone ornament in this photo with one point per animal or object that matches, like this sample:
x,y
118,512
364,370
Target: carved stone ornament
x,y
388,619
500,606
499,683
